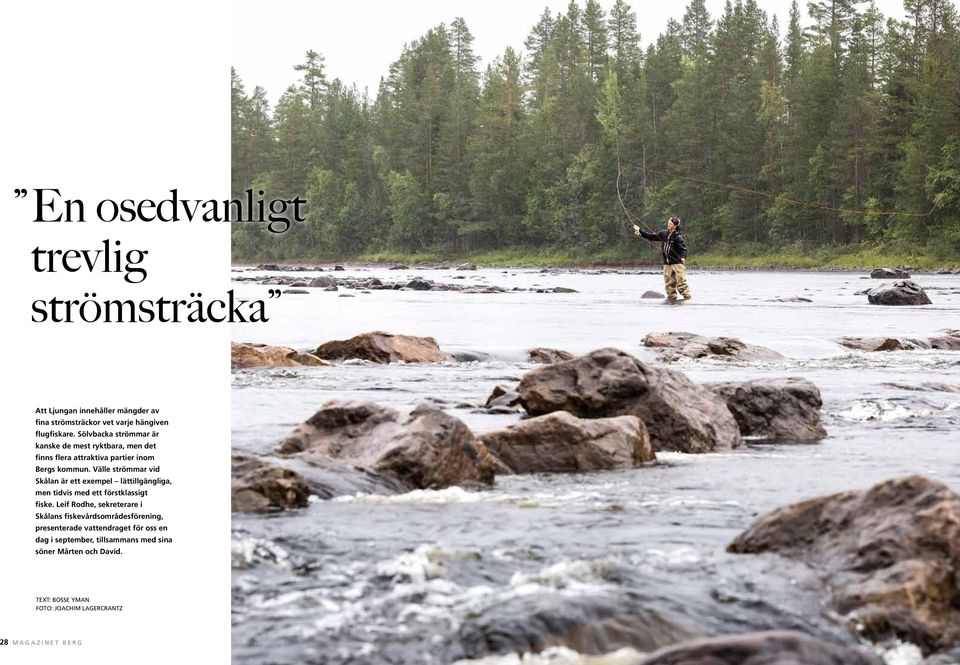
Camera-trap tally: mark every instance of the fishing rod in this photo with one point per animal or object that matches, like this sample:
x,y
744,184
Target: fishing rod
x,y
634,221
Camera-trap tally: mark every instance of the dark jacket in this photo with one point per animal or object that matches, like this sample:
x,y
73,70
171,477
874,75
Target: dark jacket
x,y
672,246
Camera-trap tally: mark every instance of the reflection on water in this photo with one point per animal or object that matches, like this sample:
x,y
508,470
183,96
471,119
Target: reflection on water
x,y
415,578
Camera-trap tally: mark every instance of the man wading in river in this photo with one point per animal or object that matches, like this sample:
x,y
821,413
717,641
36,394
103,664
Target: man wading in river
x,y
674,257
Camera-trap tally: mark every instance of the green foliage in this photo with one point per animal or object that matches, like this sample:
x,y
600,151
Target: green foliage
x,y
854,114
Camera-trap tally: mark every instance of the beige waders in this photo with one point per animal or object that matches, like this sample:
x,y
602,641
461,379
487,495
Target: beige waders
x,y
675,279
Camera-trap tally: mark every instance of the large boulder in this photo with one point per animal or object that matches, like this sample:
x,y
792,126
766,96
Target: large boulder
x,y
562,443
679,414
785,410
671,346
381,347
904,292
889,273
890,554
429,449
246,355
775,647
544,356
871,344
260,486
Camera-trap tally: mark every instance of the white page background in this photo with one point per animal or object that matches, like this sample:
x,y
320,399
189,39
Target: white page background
x,y
119,100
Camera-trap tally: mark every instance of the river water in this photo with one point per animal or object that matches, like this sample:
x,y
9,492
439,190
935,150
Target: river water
x,y
448,575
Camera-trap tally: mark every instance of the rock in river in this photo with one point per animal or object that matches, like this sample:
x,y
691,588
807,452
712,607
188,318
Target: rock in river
x,y
775,647
904,292
889,273
323,282
785,410
672,346
562,443
428,450
260,486
871,344
503,396
679,414
588,624
890,555
545,356
246,355
945,340
382,347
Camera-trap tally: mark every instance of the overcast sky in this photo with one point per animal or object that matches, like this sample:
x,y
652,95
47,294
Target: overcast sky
x,y
361,38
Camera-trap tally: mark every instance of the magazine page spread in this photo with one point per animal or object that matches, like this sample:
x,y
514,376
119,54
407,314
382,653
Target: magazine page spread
x,y
569,332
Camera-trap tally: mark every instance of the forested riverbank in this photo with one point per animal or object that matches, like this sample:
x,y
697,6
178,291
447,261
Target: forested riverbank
x,y
788,136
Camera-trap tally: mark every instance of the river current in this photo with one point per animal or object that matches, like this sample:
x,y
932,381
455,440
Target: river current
x,y
453,575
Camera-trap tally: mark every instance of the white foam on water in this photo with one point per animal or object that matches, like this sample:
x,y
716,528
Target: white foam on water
x,y
678,558
422,564
428,497
246,552
557,656
573,575
883,411
902,653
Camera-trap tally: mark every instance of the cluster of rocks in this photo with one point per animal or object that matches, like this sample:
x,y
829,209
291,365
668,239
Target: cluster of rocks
x,y
430,449
891,273
604,410
246,355
328,283
946,340
274,267
888,556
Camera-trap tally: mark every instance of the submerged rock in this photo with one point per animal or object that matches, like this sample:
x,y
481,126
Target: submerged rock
x,y
889,273
259,486
946,340
789,299
672,346
890,555
382,347
949,340
418,284
786,410
544,356
775,647
679,414
323,282
904,292
562,443
586,624
247,355
428,450
503,396
871,344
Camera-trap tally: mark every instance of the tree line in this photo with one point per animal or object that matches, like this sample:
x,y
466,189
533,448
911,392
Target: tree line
x,y
758,137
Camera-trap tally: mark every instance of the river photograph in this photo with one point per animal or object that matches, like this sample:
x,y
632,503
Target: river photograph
x,y
636,342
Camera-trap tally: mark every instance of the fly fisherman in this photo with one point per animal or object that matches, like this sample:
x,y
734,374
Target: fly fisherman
x,y
674,257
